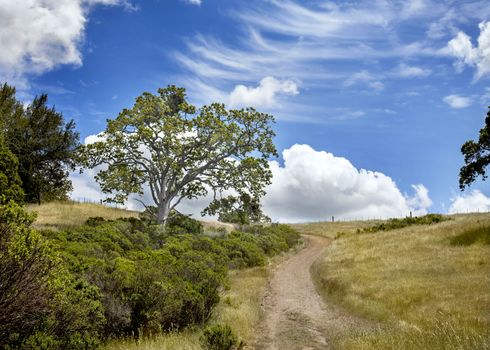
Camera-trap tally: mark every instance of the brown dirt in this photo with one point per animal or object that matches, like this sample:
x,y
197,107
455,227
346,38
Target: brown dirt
x,y
295,316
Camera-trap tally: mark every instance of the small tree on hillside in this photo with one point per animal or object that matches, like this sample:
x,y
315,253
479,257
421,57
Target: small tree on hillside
x,y
476,156
162,143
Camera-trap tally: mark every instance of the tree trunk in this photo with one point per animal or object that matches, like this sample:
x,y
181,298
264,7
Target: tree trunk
x,y
163,212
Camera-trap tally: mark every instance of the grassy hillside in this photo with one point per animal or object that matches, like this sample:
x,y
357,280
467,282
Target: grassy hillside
x,y
60,215
428,286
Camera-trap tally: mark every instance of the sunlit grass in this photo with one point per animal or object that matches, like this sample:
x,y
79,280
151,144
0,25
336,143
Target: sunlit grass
x,y
59,215
188,340
425,292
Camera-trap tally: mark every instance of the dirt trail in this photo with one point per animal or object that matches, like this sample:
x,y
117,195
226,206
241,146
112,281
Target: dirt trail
x,y
296,317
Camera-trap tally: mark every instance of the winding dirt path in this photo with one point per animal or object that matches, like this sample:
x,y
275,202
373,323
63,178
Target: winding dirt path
x,y
296,317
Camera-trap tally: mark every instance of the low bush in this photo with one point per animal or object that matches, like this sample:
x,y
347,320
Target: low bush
x,y
221,337
148,280
43,305
394,224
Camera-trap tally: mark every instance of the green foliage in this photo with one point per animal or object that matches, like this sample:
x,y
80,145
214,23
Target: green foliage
x,y
179,224
221,337
476,156
10,107
25,266
163,143
152,280
394,224
43,144
10,183
479,234
242,210
43,306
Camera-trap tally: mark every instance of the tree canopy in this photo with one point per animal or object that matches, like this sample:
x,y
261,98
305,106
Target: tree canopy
x,y
43,144
476,156
165,144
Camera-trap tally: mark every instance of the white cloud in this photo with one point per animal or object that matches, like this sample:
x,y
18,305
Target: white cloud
x,y
406,71
469,203
457,101
312,185
315,185
193,2
39,35
263,95
365,78
467,54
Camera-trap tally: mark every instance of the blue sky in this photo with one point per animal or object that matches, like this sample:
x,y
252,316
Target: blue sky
x,y
393,87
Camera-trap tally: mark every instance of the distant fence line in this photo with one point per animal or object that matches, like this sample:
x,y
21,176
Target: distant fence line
x,y
100,201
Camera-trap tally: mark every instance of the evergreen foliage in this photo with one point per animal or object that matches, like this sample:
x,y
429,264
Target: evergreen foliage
x,y
43,144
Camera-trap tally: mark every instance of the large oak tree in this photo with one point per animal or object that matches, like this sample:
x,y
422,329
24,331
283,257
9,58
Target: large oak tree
x,y
164,144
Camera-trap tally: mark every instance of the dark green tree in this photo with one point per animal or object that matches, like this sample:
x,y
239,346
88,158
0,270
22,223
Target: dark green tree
x,y
10,184
45,146
476,156
10,107
243,209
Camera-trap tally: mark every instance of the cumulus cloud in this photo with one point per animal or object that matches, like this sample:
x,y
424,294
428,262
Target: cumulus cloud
x,y
470,203
264,95
365,78
406,71
477,56
39,35
457,101
314,185
310,186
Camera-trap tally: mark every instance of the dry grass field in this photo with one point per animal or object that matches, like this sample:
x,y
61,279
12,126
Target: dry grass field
x,y
427,286
59,215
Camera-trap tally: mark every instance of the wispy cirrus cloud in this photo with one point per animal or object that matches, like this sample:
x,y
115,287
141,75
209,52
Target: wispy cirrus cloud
x,y
324,45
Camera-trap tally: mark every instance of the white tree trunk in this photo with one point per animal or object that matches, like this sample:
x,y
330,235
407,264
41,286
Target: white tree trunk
x,y
163,212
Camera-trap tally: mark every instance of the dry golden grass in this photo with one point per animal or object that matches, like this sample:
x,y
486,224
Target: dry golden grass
x,y
240,305
188,340
426,293
330,229
59,215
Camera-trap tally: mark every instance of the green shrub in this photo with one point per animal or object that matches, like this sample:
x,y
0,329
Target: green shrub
x,y
394,224
10,183
43,305
181,224
145,278
221,337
